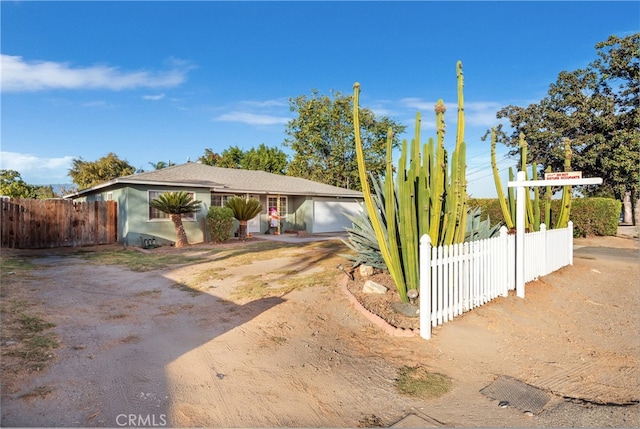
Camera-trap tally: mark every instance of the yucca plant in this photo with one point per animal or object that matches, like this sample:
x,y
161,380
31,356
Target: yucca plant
x,y
175,204
244,209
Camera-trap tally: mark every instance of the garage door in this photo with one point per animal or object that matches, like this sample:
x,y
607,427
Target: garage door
x,y
329,214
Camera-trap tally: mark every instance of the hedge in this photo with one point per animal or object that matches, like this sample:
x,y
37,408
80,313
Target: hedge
x,y
590,216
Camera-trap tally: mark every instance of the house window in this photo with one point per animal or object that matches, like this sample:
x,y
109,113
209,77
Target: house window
x,y
155,214
219,200
109,196
273,202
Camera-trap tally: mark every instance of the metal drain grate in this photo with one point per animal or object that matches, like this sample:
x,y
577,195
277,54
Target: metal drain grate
x,y
518,394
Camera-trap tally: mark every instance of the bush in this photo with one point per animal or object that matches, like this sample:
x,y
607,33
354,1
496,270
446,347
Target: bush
x,y
590,216
220,223
593,216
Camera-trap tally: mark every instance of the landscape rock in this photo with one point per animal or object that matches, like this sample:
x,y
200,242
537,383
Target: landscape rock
x,y
409,310
366,270
372,287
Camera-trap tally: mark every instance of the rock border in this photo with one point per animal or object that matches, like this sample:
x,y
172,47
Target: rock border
x,y
374,318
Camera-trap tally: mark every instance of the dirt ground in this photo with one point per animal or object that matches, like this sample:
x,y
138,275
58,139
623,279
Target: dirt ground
x,y
141,349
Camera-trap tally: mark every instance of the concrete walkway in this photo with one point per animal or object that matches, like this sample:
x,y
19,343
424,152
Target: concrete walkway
x,y
629,231
293,238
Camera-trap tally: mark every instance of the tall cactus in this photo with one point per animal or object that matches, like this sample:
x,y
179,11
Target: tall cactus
x,y
565,209
423,199
533,216
505,204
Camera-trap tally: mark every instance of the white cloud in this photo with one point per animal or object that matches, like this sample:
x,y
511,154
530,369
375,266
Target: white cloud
x,y
36,170
265,103
153,97
20,75
252,118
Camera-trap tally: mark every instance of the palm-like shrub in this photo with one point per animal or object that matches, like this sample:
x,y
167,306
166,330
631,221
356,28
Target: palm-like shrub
x,y
243,209
175,204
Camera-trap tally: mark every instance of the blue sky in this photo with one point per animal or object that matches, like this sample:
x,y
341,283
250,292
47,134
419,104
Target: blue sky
x,y
162,81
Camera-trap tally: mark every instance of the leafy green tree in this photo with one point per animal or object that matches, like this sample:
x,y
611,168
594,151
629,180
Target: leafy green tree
x,y
44,191
86,174
322,138
244,209
269,159
175,204
597,109
263,158
12,185
231,158
210,157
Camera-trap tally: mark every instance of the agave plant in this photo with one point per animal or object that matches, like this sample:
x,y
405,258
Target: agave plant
x,y
478,229
362,237
243,209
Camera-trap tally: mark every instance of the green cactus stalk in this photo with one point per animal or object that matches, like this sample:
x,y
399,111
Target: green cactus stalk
x,y
512,194
504,203
547,202
461,161
536,199
389,254
527,195
565,209
439,173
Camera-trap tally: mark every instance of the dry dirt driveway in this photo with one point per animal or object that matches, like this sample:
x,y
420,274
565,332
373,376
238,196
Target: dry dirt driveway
x,y
135,350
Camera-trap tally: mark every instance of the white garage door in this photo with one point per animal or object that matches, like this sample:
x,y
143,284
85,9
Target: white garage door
x,y
329,214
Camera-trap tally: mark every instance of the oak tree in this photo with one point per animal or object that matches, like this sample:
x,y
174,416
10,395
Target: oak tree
x,y
597,109
86,174
322,139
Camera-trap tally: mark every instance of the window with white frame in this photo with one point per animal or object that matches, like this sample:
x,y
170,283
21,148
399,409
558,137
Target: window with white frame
x,y
109,196
273,202
155,214
219,200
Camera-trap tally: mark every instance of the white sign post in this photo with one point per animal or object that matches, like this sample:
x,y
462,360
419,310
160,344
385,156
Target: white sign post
x,y
521,184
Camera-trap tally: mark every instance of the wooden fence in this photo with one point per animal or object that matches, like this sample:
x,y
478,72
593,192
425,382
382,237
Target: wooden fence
x,y
35,224
455,279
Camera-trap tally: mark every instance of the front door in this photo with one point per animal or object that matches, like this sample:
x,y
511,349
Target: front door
x,y
253,225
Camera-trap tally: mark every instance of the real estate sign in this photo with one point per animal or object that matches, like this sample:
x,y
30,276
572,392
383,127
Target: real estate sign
x,y
563,175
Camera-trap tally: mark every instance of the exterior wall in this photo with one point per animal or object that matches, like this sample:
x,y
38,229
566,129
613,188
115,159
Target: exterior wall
x,y
137,225
300,213
134,224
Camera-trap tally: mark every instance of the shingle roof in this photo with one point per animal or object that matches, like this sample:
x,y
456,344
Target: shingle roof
x,y
235,180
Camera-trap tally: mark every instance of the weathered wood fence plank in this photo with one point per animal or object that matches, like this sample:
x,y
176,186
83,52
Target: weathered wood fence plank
x,y
32,224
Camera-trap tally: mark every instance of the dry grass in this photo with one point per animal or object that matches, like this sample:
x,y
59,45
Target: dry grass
x,y
26,336
138,261
418,381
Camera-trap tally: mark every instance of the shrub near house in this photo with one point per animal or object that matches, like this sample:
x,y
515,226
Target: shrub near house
x,y
220,223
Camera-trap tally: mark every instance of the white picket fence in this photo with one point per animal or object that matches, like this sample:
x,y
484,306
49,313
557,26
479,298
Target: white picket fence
x,y
457,278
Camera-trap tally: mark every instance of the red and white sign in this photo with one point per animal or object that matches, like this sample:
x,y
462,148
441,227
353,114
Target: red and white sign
x,y
563,175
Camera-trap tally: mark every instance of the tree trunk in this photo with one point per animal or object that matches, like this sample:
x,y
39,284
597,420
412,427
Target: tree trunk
x,y
627,210
242,229
180,232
